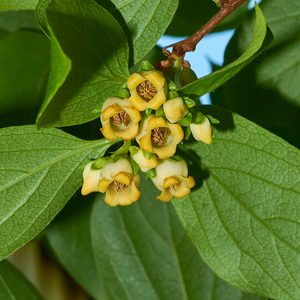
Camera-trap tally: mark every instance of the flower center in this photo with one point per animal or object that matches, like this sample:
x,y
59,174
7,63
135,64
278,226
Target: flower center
x,y
118,186
175,186
121,118
158,135
146,90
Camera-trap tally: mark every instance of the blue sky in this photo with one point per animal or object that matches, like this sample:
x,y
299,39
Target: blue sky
x,y
210,49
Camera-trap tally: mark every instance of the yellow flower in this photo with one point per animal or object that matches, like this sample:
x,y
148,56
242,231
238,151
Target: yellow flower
x,y
119,183
159,136
90,180
144,163
175,109
148,89
119,119
172,179
202,132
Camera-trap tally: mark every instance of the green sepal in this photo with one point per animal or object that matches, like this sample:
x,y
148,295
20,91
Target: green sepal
x,y
198,118
213,120
99,163
186,121
160,112
174,158
151,173
171,85
148,111
187,133
135,166
115,158
147,155
218,3
187,76
123,93
146,66
133,149
188,101
176,78
172,95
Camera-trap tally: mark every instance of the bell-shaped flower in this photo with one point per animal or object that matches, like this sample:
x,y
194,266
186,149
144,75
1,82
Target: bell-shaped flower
x,y
202,132
119,183
144,163
159,136
91,179
119,119
175,109
172,179
148,89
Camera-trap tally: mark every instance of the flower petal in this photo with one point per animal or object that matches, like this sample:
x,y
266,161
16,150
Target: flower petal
x,y
169,181
189,182
137,101
103,185
157,100
202,132
177,133
144,163
110,111
145,142
175,109
129,133
133,113
165,196
165,152
156,79
134,80
122,178
156,123
108,132
181,191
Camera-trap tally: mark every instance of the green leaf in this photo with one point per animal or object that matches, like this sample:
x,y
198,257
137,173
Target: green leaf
x,y
244,220
143,22
146,66
268,92
20,19
261,40
24,61
39,173
88,64
13,284
17,4
140,251
192,14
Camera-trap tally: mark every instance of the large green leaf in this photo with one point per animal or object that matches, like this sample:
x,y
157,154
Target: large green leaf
x,y
39,173
141,249
193,14
268,91
6,5
143,21
93,52
244,220
262,37
14,20
25,64
14,286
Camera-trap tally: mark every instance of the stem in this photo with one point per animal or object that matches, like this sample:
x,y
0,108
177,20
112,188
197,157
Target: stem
x,y
189,44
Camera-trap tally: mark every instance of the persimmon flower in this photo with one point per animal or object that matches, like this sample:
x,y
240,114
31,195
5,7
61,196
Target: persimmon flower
x,y
202,132
159,136
175,109
119,183
119,119
148,89
172,179
91,179
144,163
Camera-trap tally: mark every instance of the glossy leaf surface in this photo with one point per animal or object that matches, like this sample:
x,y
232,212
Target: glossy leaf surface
x,y
93,52
244,220
39,173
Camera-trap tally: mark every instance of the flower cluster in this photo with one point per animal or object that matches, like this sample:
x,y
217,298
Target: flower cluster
x,y
149,111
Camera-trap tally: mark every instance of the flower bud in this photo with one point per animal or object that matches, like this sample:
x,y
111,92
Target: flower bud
x,y
175,109
119,183
159,137
91,179
148,89
202,132
172,179
144,163
119,119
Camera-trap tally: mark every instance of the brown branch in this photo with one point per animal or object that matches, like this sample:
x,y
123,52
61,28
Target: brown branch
x,y
189,44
